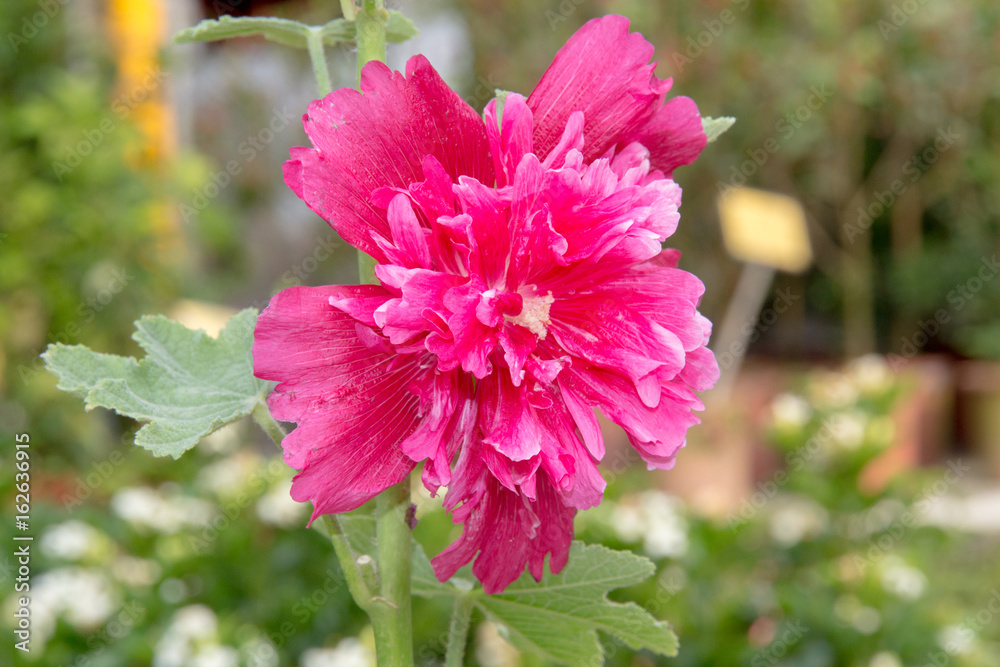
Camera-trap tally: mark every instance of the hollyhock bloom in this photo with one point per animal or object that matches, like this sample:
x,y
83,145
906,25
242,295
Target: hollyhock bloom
x,y
521,285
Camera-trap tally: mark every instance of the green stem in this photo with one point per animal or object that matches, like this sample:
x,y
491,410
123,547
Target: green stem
x,y
263,417
360,576
370,25
349,10
391,612
461,616
314,39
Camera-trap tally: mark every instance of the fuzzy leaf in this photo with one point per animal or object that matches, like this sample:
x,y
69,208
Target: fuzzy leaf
x,y
399,28
559,616
359,529
290,33
187,386
426,585
715,127
283,31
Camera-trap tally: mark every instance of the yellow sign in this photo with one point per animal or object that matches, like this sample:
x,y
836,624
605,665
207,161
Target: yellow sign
x,y
765,228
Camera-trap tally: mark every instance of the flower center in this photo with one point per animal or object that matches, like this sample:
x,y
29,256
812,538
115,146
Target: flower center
x,y
534,315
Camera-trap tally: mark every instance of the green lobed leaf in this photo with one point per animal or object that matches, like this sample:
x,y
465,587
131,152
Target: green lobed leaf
x,y
359,529
426,585
290,33
283,31
187,386
715,127
558,618
399,28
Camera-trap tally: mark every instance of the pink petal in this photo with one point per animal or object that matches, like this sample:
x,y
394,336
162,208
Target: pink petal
x,y
603,72
674,135
509,424
511,139
350,403
657,433
380,139
508,532
448,417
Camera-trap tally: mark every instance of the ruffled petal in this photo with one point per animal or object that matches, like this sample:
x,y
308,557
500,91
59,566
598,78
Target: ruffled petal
x,y
509,532
604,72
657,433
674,135
379,138
350,402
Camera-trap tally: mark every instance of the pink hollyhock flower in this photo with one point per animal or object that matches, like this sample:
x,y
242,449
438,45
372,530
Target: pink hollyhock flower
x,y
523,284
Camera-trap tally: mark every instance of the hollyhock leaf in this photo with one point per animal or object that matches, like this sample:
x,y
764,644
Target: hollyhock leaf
x,y
290,33
716,127
359,529
399,28
501,98
559,616
282,31
425,584
187,386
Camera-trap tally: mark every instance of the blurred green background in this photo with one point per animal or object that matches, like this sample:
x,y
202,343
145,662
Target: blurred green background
x,y
839,507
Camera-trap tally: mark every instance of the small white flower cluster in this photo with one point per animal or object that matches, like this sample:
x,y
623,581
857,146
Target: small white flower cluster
x,y
849,609
870,374
277,508
71,541
847,429
837,396
796,518
161,511
958,639
349,652
83,597
790,411
191,641
228,476
885,659
656,519
901,579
